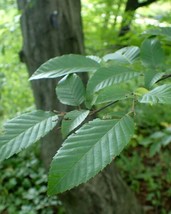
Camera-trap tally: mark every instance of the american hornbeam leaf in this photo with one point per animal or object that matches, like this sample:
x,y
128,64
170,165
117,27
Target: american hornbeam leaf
x,y
160,94
160,31
95,58
87,152
105,77
23,131
152,54
70,90
72,120
64,65
151,77
112,93
140,91
124,55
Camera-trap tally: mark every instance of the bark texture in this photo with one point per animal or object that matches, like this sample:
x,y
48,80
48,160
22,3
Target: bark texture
x,y
51,28
107,193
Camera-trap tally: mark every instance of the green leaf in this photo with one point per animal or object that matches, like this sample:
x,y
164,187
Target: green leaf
x,y
124,55
23,131
152,54
140,91
2,79
70,90
151,77
90,100
95,58
105,77
112,93
160,31
155,148
72,120
160,94
87,152
64,65
166,140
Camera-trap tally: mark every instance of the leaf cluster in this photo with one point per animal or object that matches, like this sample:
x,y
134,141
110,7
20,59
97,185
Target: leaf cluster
x,y
91,144
24,185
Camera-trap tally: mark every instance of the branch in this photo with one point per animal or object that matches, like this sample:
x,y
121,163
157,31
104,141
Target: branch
x,y
166,76
132,5
104,107
146,3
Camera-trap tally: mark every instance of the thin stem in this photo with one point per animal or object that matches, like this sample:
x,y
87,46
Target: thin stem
x,y
166,76
104,107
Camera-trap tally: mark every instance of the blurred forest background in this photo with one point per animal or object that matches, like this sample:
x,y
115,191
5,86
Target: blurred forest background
x,y
145,165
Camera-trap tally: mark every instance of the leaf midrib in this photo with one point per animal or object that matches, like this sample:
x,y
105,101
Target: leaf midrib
x,y
22,133
117,75
71,169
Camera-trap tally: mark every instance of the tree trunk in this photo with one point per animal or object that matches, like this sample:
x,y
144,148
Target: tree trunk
x,y
107,193
52,28
49,28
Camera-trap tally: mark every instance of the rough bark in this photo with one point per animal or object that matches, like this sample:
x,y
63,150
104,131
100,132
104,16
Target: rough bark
x,y
107,193
52,28
130,8
49,28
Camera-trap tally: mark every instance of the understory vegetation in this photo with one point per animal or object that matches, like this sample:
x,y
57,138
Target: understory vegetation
x,y
145,164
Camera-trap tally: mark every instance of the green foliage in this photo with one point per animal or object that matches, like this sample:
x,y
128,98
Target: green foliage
x,y
152,54
162,31
26,129
101,20
157,140
107,76
124,55
72,120
148,176
91,143
13,99
159,116
112,93
160,94
102,23
70,90
2,80
64,65
23,183
23,186
88,151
